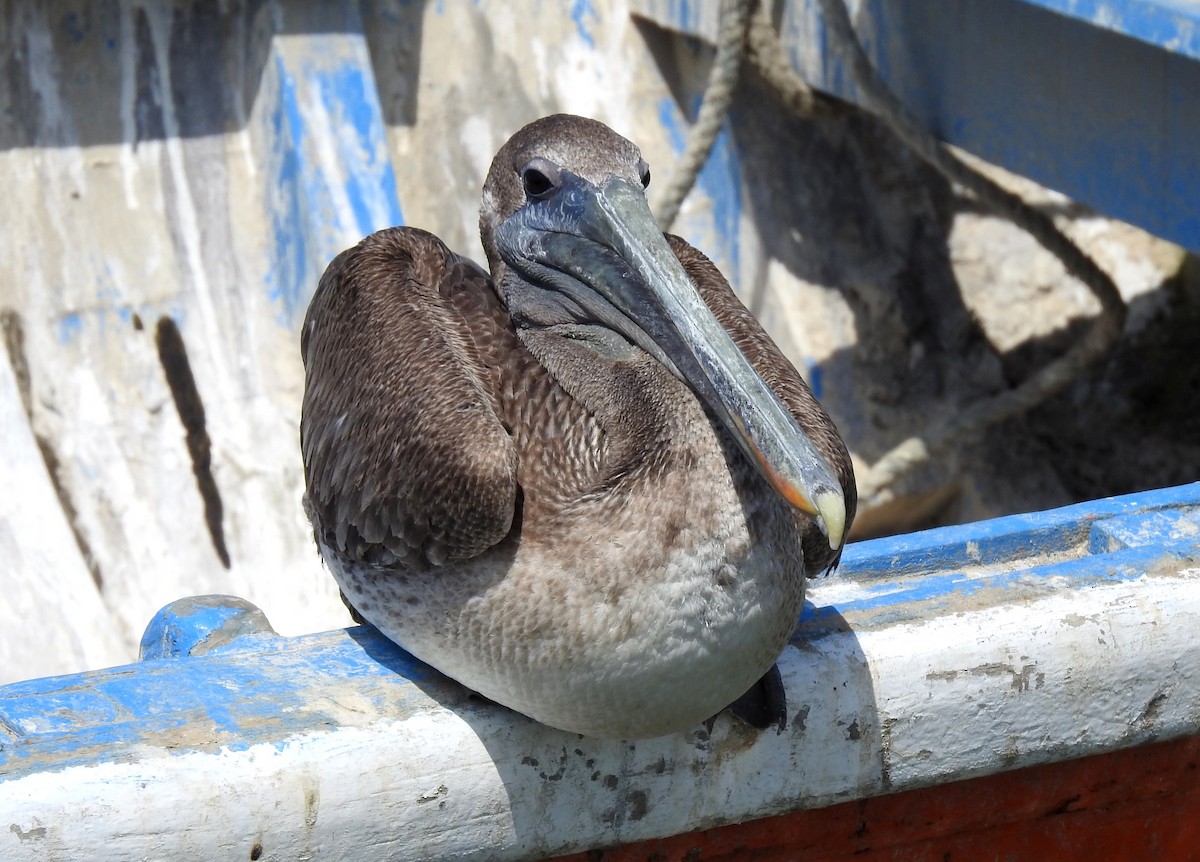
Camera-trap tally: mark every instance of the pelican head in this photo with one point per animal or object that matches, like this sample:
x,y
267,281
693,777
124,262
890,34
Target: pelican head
x,y
571,242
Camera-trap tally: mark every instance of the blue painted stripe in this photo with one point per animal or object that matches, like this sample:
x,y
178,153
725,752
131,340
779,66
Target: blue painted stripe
x,y
236,699
1170,24
288,274
672,124
927,597
721,180
1002,539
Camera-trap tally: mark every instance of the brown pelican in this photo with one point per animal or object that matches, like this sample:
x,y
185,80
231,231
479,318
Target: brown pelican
x,y
589,486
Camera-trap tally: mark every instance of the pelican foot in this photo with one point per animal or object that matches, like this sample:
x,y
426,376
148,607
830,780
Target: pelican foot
x,y
354,614
765,704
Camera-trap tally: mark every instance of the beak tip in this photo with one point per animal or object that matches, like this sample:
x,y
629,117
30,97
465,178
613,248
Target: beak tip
x,y
831,508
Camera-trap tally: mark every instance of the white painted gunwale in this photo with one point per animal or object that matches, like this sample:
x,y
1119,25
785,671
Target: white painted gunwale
x,y
893,684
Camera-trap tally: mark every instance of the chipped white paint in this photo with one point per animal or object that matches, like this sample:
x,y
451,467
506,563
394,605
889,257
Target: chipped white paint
x,y
59,575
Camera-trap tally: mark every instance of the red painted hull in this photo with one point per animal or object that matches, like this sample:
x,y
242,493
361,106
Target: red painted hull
x,y
1134,804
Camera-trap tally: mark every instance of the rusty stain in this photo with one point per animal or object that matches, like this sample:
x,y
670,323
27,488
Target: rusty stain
x,y
800,719
638,804
431,795
1150,713
557,774
312,802
1022,680
34,832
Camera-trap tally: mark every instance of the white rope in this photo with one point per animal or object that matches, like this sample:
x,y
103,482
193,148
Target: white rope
x,y
1041,384
718,93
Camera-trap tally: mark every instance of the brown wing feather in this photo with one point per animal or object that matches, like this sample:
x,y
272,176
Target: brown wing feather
x,y
784,380
392,341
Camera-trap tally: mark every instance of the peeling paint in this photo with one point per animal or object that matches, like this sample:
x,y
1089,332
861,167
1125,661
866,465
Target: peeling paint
x,y
584,14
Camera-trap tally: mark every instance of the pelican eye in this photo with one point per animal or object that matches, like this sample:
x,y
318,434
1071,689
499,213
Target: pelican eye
x,y
537,185
644,173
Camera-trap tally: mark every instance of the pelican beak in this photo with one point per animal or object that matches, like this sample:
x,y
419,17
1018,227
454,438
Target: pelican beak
x,y
605,240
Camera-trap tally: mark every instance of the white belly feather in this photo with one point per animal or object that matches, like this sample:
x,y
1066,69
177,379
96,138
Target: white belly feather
x,y
600,639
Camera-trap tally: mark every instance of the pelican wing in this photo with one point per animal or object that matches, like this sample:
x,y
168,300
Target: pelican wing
x,y
405,457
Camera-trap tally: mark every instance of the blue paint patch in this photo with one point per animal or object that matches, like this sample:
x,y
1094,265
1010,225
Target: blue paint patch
x,y
905,579
720,180
258,695
75,26
922,598
816,380
306,219
1001,540
1149,528
581,10
70,325
287,270
672,124
371,184
185,626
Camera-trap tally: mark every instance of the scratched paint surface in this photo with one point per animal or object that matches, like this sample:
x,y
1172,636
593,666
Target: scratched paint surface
x,y
331,188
